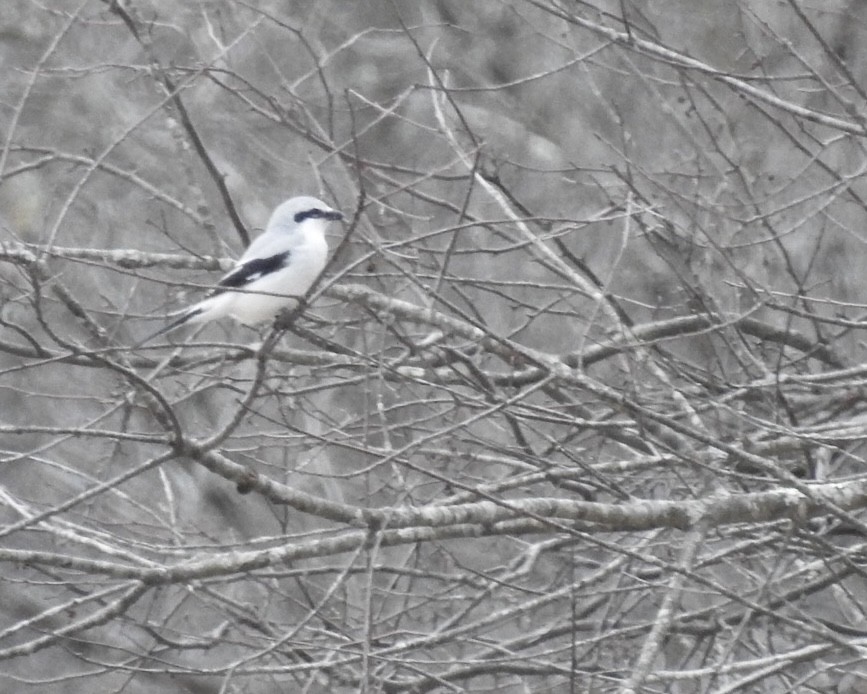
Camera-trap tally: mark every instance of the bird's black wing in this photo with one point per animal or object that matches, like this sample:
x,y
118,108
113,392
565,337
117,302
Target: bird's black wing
x,y
252,270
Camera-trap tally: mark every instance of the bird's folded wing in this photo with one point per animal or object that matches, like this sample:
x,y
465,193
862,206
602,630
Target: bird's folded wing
x,y
252,270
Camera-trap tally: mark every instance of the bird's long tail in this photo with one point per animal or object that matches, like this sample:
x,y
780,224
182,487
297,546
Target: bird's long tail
x,y
180,320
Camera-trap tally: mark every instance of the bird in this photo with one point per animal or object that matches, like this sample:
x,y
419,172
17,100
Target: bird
x,y
277,268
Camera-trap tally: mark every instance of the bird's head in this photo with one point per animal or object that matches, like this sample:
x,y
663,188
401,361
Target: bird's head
x,y
301,212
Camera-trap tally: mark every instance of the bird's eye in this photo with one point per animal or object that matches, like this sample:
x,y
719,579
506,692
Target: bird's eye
x,y
316,213
308,214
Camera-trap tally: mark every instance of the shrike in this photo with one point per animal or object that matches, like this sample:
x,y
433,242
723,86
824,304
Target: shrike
x,y
278,267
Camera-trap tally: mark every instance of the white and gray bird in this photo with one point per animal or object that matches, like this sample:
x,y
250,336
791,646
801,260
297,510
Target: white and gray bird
x,y
279,266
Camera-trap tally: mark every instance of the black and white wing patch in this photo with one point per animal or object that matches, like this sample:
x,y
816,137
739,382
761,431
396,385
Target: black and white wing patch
x,y
252,270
